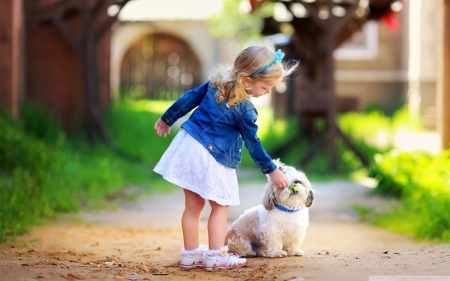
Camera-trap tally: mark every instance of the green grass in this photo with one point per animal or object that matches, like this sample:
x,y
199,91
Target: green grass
x,y
376,129
130,125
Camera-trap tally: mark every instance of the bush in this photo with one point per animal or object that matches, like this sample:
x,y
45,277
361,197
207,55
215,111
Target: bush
x,y
42,173
419,180
27,164
422,182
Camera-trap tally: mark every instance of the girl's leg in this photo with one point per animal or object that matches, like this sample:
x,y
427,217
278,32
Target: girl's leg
x,y
217,256
217,225
190,221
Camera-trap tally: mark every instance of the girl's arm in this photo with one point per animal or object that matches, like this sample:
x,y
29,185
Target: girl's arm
x,y
184,104
248,130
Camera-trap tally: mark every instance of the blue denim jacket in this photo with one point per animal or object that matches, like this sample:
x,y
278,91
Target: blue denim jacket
x,y
221,130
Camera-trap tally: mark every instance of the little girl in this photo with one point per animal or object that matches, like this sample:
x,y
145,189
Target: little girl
x,y
203,156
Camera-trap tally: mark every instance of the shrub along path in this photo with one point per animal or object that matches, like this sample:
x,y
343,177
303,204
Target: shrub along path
x,y
141,240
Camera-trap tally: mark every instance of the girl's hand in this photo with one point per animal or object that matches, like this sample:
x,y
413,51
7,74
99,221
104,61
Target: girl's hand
x,y
279,179
162,128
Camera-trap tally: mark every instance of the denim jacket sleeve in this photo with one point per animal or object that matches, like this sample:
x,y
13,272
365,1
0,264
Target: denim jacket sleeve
x,y
248,130
185,104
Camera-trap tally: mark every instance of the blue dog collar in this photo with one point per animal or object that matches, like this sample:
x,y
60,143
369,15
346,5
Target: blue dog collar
x,y
279,55
284,209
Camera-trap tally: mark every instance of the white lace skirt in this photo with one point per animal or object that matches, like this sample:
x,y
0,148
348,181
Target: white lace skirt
x,y
188,164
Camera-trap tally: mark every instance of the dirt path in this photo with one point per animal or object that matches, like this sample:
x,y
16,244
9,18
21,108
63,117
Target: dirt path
x,y
142,241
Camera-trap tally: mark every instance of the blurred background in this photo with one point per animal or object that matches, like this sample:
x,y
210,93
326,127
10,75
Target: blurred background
x,y
83,81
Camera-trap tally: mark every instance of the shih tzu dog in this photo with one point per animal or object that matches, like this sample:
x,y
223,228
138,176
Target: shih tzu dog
x,y
278,227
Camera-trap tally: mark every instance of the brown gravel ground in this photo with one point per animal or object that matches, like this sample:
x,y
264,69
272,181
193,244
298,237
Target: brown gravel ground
x,y
141,240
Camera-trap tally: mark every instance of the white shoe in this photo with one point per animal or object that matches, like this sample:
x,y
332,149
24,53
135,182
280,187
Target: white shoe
x,y
193,258
216,259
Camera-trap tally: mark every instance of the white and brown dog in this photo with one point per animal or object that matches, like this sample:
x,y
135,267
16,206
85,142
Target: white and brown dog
x,y
278,227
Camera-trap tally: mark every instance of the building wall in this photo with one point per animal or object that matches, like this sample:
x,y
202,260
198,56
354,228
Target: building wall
x,y
55,74
443,97
195,33
404,70
423,63
379,80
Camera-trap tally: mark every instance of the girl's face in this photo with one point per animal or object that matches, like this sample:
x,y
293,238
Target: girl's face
x,y
259,88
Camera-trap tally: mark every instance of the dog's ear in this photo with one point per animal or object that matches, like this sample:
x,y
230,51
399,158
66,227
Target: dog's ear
x,y
310,199
269,197
278,162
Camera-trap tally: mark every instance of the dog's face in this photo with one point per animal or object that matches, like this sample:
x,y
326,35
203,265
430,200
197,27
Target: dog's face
x,y
300,196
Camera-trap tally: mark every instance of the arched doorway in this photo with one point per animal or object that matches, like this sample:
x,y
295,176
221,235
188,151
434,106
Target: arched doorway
x,y
159,66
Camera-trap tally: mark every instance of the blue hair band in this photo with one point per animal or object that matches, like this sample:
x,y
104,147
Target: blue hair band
x,y
279,55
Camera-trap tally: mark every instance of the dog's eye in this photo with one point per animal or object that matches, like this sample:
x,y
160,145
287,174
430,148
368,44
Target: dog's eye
x,y
297,182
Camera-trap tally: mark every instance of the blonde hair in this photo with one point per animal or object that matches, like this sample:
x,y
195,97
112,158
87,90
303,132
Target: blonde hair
x,y
229,80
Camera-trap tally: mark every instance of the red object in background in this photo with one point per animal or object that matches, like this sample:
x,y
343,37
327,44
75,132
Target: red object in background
x,y
391,22
390,17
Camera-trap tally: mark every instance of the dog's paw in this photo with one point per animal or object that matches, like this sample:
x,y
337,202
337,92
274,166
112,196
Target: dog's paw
x,y
276,254
296,252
